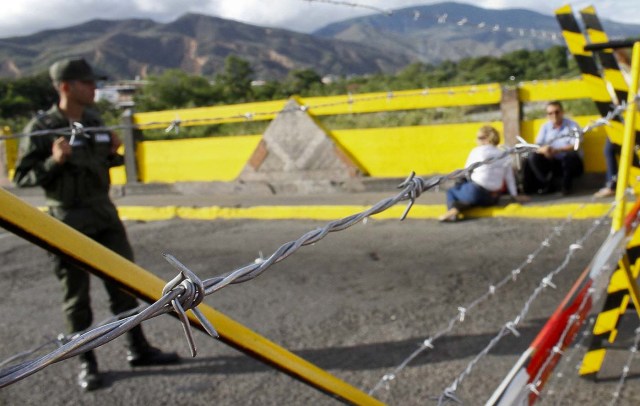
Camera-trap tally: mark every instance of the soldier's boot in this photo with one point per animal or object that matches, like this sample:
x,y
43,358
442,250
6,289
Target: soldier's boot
x,y
141,353
89,378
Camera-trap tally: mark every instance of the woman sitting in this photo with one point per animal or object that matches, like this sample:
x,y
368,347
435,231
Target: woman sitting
x,y
487,182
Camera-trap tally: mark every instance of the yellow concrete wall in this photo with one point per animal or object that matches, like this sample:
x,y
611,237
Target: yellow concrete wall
x,y
195,159
381,152
395,152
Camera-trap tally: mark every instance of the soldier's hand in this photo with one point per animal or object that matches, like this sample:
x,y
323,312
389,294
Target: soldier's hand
x,y
61,150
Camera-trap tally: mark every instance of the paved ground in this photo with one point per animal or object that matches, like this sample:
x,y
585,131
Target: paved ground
x,y
356,303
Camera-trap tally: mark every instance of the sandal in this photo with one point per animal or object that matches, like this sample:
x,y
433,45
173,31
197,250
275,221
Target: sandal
x,y
450,216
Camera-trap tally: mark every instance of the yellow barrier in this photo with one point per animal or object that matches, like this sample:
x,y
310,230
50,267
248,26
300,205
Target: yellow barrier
x,y
382,152
545,90
196,159
210,115
405,100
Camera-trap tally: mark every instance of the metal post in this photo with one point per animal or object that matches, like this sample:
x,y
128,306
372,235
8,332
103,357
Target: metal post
x,y
129,135
511,110
628,140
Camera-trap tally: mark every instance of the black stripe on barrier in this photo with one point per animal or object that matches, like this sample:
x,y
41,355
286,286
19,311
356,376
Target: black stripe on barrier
x,y
568,23
607,59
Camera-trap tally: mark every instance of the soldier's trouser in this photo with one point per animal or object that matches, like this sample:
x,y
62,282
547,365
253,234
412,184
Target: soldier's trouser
x,y
75,283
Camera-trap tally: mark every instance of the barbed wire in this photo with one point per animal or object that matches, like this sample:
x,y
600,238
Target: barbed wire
x,y
186,290
575,319
463,311
566,362
427,344
177,123
350,4
489,27
443,19
449,394
633,350
62,338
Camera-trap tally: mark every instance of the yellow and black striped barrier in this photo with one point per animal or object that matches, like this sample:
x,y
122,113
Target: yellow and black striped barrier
x,y
623,286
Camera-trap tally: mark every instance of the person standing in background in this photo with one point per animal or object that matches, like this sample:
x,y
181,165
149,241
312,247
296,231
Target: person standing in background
x,y
73,170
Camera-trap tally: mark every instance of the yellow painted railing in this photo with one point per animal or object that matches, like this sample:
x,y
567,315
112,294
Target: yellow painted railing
x,y
381,152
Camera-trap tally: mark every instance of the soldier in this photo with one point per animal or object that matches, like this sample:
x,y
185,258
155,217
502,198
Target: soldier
x,y
73,170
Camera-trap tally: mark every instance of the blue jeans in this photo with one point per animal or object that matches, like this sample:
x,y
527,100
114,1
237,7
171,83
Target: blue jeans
x,y
468,194
611,152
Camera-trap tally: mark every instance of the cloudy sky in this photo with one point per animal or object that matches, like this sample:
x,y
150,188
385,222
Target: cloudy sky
x,y
22,17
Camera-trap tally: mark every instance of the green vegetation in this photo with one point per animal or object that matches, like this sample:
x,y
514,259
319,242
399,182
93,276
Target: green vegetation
x,y
20,99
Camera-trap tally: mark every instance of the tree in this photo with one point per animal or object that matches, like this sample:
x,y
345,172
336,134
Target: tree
x,y
176,89
235,81
302,81
25,96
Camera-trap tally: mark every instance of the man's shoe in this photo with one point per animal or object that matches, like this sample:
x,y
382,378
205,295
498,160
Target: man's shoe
x,y
89,378
151,356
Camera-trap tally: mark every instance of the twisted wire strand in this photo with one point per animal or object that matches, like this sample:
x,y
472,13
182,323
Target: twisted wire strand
x,y
557,351
186,291
412,188
61,339
428,343
566,362
523,146
460,21
633,351
351,4
174,125
510,327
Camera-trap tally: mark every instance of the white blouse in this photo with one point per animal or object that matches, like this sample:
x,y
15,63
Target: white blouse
x,y
492,176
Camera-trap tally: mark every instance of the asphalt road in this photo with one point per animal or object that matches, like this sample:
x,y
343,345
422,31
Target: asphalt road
x,y
356,303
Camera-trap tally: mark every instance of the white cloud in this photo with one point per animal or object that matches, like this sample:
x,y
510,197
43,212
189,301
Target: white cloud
x,y
22,17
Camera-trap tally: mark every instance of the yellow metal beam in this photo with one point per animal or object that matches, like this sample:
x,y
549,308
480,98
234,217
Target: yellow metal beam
x,y
209,115
56,237
626,156
545,90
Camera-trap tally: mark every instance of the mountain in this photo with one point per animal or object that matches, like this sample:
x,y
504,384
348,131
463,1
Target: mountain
x,y
451,31
195,43
199,44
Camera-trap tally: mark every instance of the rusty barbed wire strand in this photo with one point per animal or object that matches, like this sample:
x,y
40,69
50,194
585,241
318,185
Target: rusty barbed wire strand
x,y
510,327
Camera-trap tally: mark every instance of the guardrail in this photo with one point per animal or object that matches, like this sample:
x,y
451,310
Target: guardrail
x,y
379,152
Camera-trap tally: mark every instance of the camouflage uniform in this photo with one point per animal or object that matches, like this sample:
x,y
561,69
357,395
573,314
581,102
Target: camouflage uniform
x,y
77,193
